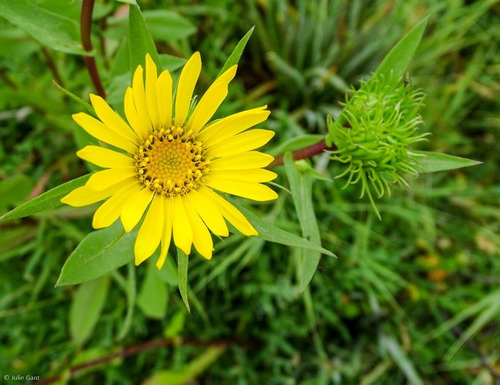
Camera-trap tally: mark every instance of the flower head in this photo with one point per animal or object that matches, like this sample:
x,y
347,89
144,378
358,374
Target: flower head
x,y
372,135
166,162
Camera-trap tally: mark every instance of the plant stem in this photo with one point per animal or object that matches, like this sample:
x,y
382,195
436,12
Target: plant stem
x,y
135,349
85,30
52,66
304,153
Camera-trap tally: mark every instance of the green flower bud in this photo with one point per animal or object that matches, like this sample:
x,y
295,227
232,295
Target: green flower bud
x,y
372,135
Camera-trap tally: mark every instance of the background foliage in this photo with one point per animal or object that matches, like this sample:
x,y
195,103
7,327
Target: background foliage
x,y
413,298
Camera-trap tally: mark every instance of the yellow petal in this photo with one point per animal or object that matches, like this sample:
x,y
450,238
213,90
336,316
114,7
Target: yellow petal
x,y
183,235
83,196
134,208
212,99
244,142
140,97
151,76
150,233
249,190
98,130
104,157
202,239
257,175
164,97
244,161
139,125
187,81
110,210
167,232
106,178
233,125
229,212
111,119
209,213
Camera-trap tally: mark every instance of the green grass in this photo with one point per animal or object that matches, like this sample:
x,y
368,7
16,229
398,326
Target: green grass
x,y
412,298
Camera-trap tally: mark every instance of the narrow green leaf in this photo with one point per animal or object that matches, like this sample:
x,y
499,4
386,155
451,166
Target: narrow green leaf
x,y
401,359
140,40
204,360
171,62
271,233
48,28
191,371
175,325
235,56
130,288
167,25
182,266
77,99
14,190
86,308
398,58
131,2
436,161
97,254
47,200
152,299
301,186
296,143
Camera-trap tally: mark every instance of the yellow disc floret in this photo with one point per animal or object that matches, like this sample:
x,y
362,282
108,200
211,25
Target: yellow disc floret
x,y
171,162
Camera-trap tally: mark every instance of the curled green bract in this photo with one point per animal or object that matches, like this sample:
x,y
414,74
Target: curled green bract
x,y
373,134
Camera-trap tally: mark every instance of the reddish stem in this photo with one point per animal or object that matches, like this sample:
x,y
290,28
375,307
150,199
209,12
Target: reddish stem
x,y
304,153
85,31
133,350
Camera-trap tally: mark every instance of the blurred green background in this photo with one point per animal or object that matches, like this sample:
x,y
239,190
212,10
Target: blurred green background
x,y
412,299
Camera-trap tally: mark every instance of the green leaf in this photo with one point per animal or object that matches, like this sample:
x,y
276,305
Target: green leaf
x,y
86,308
140,40
131,2
175,325
171,62
152,299
271,233
401,359
193,369
50,29
398,58
182,266
234,58
98,253
301,186
167,25
47,200
297,143
14,190
436,161
77,99
130,289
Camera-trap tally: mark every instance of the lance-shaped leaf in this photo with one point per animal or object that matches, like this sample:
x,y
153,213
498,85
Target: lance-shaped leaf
x,y
182,266
271,233
235,56
436,161
49,28
140,40
398,58
47,200
301,186
86,308
98,253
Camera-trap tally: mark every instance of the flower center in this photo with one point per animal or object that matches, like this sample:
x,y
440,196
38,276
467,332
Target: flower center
x,y
171,162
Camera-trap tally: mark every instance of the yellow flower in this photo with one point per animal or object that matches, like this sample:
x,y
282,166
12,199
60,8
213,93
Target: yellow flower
x,y
172,162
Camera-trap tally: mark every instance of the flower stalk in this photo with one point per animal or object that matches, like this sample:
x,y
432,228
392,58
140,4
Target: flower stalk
x,y
304,153
85,31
